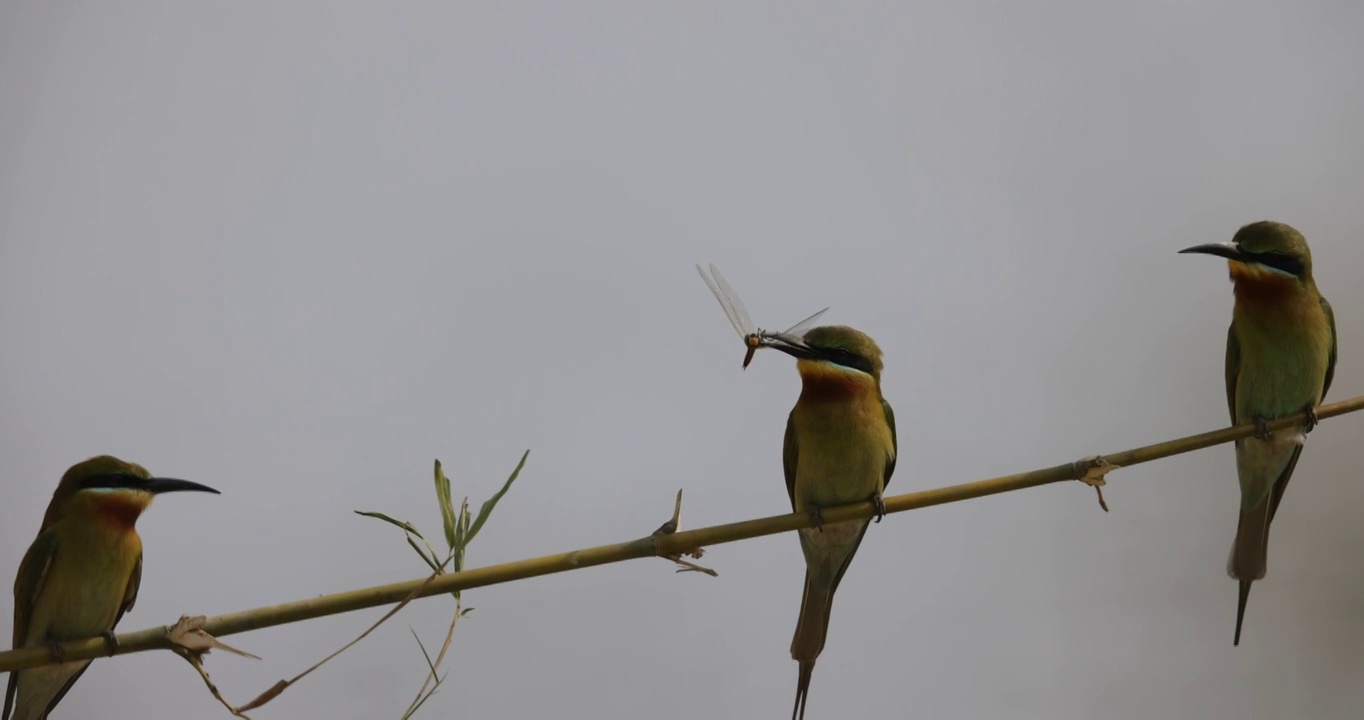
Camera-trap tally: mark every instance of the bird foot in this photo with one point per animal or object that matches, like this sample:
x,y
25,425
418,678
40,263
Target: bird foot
x,y
110,642
816,517
58,655
880,506
1312,419
1261,428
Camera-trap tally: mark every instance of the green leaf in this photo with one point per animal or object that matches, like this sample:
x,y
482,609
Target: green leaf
x,y
427,696
425,654
447,507
404,525
431,561
491,503
455,560
462,527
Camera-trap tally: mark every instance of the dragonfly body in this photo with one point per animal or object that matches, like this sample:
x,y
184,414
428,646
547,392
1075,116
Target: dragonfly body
x,y
753,336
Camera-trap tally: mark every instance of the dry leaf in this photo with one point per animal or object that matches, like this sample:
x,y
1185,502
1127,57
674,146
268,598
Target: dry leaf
x,y
1091,471
675,523
189,634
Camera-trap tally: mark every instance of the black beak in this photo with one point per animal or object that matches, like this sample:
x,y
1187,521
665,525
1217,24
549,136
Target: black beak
x,y
1227,250
156,486
793,346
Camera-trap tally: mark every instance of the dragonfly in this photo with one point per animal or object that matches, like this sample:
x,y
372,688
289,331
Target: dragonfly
x,y
754,337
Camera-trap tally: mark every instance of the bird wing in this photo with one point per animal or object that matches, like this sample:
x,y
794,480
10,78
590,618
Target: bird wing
x,y
1233,369
894,444
1277,493
1331,359
129,597
27,586
789,455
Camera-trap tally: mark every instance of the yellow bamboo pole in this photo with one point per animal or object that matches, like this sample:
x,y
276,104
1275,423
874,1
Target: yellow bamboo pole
x,y
655,545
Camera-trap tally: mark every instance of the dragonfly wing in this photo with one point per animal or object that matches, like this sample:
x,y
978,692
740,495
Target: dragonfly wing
x,y
799,328
794,335
773,338
728,299
733,302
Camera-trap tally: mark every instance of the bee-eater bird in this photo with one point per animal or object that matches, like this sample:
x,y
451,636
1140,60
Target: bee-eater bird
x,y
81,574
839,449
1281,356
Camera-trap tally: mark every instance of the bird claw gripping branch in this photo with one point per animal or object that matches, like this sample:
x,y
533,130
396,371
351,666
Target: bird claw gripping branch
x,y
816,517
880,505
1312,419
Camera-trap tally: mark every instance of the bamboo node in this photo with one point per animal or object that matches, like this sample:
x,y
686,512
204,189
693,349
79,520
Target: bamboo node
x,y
1091,471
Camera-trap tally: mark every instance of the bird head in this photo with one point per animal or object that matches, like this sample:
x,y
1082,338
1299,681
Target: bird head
x,y
111,487
1264,252
835,353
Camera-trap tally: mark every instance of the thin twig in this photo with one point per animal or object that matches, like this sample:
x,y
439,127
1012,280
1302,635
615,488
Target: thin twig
x,y
433,679
196,662
279,687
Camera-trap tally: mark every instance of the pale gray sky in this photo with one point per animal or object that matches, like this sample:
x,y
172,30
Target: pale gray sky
x,y
297,251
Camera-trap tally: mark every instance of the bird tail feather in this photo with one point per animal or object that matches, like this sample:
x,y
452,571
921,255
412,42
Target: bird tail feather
x,y
808,642
1249,551
1248,559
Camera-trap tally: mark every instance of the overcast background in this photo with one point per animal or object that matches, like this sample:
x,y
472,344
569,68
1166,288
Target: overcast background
x,y
297,251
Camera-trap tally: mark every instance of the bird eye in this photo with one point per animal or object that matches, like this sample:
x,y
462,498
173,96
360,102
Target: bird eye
x,y
848,358
1280,261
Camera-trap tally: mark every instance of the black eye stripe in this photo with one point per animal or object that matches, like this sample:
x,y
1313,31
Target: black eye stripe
x,y
1280,261
111,481
847,358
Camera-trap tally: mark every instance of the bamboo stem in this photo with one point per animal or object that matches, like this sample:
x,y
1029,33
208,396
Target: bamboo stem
x,y
656,545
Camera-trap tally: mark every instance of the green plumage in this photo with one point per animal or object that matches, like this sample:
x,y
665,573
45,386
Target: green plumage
x,y
67,589
81,574
839,448
1280,360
